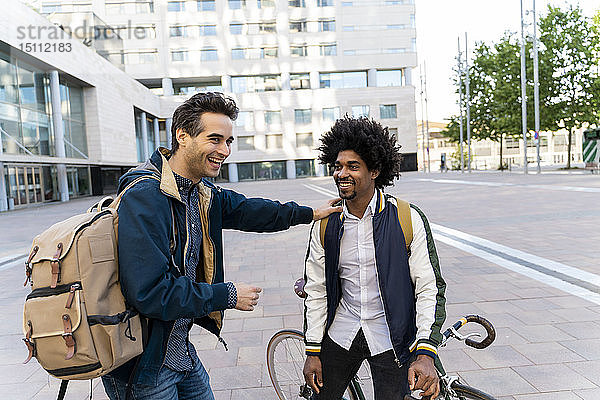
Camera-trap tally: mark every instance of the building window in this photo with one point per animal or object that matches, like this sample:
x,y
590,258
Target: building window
x,y
73,121
297,3
393,2
238,54
305,168
268,52
413,45
262,170
177,31
331,114
343,80
251,84
236,4
347,4
208,55
298,50
235,29
412,21
176,6
187,88
274,141
324,3
297,26
302,116
265,3
272,118
327,25
387,111
304,139
328,49
179,55
206,5
348,28
266,27
245,120
360,111
142,57
389,78
395,50
395,26
208,30
245,143
299,81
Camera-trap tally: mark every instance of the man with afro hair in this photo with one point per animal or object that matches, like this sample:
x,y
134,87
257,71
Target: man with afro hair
x,y
374,291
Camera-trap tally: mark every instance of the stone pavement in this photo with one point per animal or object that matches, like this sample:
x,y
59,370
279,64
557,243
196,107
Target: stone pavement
x,y
548,343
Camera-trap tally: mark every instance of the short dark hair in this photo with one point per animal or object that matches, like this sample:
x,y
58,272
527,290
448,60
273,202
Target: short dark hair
x,y
371,141
187,116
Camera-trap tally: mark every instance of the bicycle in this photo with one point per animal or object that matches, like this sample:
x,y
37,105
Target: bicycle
x,y
286,355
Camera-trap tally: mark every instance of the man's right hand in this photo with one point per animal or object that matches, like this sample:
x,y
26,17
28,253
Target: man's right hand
x,y
247,296
313,374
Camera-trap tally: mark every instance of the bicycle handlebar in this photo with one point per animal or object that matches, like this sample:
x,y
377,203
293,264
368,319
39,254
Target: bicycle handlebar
x,y
299,288
487,325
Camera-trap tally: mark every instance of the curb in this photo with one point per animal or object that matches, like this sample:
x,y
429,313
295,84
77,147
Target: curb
x,y
9,259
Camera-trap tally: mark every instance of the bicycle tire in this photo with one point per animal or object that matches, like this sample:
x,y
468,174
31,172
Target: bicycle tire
x,y
285,362
464,392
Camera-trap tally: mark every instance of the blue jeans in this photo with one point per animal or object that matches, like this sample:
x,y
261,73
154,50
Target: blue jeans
x,y
172,385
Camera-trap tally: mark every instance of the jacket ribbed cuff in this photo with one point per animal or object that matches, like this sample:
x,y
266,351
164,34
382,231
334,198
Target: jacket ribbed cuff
x,y
313,349
426,347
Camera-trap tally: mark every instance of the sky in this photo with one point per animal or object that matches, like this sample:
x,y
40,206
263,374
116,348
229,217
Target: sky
x,y
441,22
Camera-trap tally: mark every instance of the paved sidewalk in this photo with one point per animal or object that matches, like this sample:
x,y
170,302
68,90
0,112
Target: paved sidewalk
x,y
548,344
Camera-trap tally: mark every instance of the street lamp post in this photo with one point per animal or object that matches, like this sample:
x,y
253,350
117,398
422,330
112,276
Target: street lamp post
x,y
523,92
460,107
468,104
536,91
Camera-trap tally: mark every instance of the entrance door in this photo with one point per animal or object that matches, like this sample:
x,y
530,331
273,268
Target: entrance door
x,y
25,184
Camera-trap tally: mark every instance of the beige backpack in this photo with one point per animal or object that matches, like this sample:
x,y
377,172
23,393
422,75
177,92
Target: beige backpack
x,y
76,321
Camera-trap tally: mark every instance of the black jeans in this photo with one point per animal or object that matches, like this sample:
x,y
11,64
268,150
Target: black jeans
x,y
390,382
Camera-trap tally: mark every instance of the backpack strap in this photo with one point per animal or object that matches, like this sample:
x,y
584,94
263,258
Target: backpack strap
x,y
117,201
323,226
405,220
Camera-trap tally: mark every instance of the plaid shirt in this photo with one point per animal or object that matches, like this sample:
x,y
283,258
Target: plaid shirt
x,y
181,354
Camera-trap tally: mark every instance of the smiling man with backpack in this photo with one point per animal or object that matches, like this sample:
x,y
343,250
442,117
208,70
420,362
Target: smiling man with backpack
x,y
171,251
373,283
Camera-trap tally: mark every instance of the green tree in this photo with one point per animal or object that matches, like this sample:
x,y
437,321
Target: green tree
x,y
571,46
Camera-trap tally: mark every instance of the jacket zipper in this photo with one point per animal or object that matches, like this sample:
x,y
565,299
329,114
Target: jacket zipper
x,y
383,305
48,291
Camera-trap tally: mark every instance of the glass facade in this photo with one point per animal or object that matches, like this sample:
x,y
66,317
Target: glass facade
x,y
73,121
343,80
389,78
25,122
262,170
305,168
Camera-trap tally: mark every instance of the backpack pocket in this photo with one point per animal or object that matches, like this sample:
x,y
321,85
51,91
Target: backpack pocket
x,y
55,323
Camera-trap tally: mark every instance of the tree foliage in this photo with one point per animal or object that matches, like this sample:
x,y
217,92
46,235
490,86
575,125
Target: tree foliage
x,y
568,79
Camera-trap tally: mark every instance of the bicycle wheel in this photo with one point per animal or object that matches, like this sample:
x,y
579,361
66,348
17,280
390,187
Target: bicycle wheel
x,y
464,392
285,362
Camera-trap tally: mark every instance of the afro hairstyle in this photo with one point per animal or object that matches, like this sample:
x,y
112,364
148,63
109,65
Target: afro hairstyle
x,y
367,138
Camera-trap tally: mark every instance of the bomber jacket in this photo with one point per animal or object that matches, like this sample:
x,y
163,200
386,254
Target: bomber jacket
x,y
410,283
152,281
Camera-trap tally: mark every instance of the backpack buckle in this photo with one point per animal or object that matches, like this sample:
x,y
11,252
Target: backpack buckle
x,y
68,337
55,265
29,343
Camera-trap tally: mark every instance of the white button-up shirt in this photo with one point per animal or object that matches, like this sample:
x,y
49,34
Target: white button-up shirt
x,y
361,305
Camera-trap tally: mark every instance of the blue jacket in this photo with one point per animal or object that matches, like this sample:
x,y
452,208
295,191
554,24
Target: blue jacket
x,y
151,280
411,286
